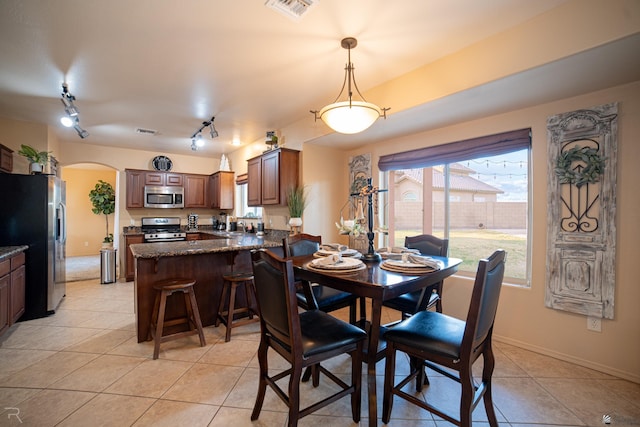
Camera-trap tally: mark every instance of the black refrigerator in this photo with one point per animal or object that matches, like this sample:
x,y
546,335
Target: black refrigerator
x,y
33,213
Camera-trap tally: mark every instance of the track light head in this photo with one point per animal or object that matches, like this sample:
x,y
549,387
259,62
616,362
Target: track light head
x,y
81,132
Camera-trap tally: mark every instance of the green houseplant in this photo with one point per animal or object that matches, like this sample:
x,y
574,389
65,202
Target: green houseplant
x,y
296,202
37,159
103,199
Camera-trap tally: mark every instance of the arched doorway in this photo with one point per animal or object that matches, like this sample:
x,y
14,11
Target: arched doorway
x,y
86,230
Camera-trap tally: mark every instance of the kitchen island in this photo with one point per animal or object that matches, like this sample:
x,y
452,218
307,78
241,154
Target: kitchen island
x,y
203,260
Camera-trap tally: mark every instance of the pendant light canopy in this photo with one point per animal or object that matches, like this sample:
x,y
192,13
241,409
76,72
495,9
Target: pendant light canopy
x,y
350,116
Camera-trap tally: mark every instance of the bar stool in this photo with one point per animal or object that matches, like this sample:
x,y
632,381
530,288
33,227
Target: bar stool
x,y
164,288
230,283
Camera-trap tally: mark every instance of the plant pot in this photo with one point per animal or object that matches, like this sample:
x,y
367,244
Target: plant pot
x,y
295,222
35,168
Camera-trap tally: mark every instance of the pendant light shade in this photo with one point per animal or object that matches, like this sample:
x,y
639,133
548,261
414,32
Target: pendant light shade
x,y
350,116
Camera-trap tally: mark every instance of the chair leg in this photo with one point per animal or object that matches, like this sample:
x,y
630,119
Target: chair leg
x,y
487,373
192,307
307,374
294,395
262,384
159,325
352,313
247,292
315,370
389,372
232,300
466,399
356,380
221,302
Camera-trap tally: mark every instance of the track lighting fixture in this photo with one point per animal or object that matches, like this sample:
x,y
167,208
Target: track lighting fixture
x,y
71,119
197,140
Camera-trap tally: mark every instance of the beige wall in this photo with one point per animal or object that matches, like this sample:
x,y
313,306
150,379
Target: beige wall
x,y
522,317
85,230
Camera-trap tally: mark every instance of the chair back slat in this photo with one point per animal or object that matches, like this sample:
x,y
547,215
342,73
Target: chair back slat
x,y
484,300
276,297
427,244
301,244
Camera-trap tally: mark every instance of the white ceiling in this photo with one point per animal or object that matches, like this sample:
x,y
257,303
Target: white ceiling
x,y
168,65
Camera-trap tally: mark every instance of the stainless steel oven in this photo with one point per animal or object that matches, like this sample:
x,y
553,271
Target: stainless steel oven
x,y
162,230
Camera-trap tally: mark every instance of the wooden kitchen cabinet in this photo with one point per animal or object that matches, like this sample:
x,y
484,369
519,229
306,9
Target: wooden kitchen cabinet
x,y
12,290
164,179
271,175
195,191
130,265
6,159
222,190
135,188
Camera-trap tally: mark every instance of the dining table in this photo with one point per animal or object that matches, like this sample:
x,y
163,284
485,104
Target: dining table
x,y
377,284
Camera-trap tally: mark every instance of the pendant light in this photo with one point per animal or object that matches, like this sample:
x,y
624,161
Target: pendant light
x,y
350,116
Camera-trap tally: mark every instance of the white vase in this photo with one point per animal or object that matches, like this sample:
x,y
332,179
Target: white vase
x,y
295,222
35,168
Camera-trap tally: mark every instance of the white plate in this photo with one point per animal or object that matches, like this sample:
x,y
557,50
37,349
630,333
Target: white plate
x,y
346,264
348,252
336,270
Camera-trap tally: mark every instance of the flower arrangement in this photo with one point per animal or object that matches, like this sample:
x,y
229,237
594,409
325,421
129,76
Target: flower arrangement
x,y
350,226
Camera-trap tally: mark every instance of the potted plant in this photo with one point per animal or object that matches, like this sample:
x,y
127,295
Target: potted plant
x,y
296,202
37,159
103,199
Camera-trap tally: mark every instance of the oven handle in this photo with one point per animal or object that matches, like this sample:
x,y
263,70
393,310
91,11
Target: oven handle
x,y
171,239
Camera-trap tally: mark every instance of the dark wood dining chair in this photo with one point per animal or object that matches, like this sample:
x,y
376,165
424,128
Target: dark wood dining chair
x,y
424,299
446,344
326,298
302,338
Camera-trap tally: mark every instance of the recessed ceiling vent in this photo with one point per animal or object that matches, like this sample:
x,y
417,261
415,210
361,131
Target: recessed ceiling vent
x,y
146,131
293,9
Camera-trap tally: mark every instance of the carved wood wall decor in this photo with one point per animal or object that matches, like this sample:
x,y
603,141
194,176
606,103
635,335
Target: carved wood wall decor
x,y
581,239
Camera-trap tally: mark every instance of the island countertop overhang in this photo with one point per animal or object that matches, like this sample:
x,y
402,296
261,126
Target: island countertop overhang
x,y
194,247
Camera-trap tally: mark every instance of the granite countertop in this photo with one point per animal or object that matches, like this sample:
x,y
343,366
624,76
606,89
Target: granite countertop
x,y
9,251
243,241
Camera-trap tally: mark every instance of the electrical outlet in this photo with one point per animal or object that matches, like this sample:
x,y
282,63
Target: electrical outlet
x,y
594,324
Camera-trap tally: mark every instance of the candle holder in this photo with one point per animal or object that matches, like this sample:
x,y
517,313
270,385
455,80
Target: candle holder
x,y
369,191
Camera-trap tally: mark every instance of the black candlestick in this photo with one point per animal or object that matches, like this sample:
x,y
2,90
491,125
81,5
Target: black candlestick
x,y
369,191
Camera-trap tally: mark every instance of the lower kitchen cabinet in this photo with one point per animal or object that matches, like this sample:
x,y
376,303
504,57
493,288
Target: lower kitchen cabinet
x,y
130,265
12,290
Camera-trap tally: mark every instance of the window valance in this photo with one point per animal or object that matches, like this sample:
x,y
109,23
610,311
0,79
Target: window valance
x,y
490,145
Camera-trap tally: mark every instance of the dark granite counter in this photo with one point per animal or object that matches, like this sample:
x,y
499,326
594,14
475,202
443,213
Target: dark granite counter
x,y
9,251
237,242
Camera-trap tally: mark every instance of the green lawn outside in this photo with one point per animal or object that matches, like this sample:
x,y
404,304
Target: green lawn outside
x,y
472,245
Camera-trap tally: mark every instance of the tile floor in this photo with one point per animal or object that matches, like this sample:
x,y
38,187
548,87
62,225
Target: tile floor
x,y
84,367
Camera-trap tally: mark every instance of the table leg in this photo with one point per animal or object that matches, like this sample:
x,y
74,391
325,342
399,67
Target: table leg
x,y
374,339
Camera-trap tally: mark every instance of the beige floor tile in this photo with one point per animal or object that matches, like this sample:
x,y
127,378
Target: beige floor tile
x,y
132,347
109,410
98,374
14,360
12,397
186,349
151,378
48,371
538,365
48,407
523,400
109,320
205,383
239,353
102,342
589,400
166,413
245,391
238,417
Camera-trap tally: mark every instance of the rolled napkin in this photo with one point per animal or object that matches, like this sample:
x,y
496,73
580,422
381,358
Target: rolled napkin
x,y
330,260
422,260
337,247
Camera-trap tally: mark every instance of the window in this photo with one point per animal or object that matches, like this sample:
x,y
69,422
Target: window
x,y
242,210
479,202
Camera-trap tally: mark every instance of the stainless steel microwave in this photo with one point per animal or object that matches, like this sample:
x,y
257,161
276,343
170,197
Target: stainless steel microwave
x,y
163,197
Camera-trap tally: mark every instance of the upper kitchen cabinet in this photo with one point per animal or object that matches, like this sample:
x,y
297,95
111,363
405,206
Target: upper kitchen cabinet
x,y
164,179
135,188
6,159
271,175
221,190
195,191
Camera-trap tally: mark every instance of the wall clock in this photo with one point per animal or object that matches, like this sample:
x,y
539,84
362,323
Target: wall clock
x,y
162,163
